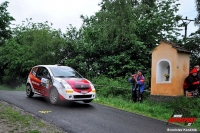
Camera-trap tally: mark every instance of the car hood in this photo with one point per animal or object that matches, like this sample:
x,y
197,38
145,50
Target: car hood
x,y
78,84
73,81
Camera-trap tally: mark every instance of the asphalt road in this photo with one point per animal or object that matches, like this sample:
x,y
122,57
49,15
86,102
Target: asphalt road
x,y
78,117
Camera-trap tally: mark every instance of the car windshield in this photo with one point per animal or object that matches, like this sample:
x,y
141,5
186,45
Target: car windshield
x,y
65,72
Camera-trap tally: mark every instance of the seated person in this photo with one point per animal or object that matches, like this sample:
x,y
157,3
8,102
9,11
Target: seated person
x,y
192,82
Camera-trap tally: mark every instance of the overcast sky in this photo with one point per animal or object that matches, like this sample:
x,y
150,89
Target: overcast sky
x,y
64,12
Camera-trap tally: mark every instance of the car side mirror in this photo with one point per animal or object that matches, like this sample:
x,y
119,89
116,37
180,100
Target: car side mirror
x,y
48,76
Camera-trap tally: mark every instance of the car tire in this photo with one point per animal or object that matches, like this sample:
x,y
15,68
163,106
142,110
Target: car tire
x,y
87,101
53,96
29,91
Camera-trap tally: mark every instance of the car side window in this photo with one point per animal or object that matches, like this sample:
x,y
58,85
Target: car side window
x,y
43,73
39,74
34,71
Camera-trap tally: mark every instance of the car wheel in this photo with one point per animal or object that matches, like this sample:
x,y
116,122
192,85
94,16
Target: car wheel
x,y
87,101
53,96
29,91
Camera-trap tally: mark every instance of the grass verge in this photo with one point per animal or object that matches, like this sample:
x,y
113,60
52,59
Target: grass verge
x,y
157,110
14,119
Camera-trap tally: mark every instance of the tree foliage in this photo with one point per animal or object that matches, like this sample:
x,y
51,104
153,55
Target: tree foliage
x,y
192,42
118,39
31,44
5,21
115,42
198,12
193,45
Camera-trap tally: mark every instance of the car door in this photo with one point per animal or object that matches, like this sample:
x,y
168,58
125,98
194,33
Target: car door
x,y
38,79
33,78
44,76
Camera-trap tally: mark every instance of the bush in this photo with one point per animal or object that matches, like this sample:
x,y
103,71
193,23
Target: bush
x,y
118,87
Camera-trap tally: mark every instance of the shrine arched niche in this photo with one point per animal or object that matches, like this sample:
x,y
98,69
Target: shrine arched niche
x,y
163,71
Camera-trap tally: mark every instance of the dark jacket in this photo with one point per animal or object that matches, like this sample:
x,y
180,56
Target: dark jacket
x,y
191,81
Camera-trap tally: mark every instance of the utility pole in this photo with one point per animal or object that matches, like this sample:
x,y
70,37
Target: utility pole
x,y
185,24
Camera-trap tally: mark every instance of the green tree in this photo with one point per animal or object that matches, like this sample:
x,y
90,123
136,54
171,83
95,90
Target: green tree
x,y
5,30
192,41
193,45
31,44
119,38
198,12
5,21
76,50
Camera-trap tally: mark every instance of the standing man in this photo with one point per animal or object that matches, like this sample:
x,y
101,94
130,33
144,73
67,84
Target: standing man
x,y
138,86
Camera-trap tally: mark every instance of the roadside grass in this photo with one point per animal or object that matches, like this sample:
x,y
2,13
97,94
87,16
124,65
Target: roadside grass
x,y
18,88
13,119
21,88
157,110
146,108
117,93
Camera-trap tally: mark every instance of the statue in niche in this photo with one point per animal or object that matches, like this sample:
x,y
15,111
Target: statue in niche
x,y
167,75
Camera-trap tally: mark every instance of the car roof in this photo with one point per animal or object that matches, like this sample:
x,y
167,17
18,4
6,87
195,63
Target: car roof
x,y
57,65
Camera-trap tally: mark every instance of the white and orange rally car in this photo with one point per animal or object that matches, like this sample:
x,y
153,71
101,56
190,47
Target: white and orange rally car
x,y
59,83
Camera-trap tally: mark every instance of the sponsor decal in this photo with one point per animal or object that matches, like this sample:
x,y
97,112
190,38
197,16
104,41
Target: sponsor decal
x,y
33,82
45,82
69,91
84,92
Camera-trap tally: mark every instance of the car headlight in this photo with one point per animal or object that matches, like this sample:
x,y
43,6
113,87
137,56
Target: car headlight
x,y
92,86
64,84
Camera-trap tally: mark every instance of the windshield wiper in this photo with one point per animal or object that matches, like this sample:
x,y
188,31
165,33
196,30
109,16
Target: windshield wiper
x,y
61,76
71,76
66,76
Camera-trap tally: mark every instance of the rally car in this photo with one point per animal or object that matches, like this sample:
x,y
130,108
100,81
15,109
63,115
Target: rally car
x,y
57,83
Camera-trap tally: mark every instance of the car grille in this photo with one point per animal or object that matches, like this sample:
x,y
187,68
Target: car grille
x,y
82,96
82,86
